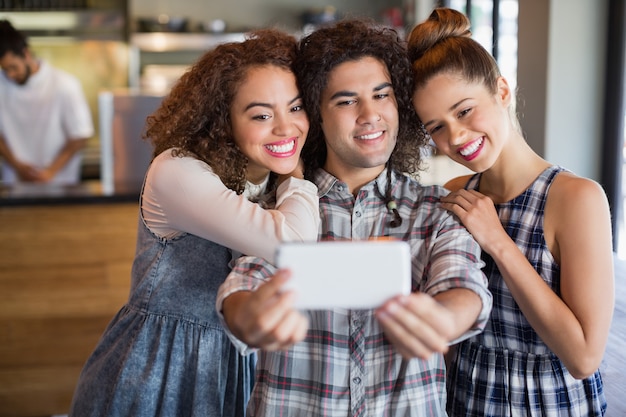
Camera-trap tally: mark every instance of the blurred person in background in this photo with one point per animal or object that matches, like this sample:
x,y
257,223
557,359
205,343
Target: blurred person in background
x,y
45,120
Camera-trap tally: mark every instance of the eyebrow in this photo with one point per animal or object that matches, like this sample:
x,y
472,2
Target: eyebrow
x,y
452,107
346,93
269,106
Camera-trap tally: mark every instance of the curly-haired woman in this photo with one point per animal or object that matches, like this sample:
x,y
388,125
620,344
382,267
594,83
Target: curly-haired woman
x,y
231,124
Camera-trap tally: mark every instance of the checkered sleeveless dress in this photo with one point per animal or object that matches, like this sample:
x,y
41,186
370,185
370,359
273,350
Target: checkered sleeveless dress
x,y
507,370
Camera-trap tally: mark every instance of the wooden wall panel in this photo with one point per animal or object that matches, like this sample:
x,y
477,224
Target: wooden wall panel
x,y
64,273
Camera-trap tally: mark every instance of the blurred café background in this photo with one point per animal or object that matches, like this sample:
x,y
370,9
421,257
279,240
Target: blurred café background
x,y
66,252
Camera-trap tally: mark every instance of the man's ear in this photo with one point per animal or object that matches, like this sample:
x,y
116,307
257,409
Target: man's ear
x,y
27,54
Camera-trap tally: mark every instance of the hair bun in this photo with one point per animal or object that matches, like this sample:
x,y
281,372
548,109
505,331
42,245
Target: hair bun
x,y
443,23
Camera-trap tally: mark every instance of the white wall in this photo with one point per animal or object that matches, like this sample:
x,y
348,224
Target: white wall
x,y
576,73
561,69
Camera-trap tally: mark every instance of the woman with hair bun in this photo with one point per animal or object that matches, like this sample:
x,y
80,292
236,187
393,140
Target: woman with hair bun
x,y
231,124
545,234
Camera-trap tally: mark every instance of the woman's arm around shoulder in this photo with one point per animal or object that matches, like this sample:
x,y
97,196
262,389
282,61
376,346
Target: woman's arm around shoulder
x,y
184,195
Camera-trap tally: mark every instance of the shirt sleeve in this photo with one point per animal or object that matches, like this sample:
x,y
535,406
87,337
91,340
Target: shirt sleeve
x,y
184,195
247,274
455,262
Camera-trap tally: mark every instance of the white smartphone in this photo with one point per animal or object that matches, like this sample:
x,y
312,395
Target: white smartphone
x,y
346,274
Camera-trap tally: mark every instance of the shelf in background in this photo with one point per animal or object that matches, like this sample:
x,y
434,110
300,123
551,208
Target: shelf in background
x,y
169,41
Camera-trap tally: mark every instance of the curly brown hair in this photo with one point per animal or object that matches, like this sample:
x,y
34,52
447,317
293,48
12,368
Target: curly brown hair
x,y
194,118
350,40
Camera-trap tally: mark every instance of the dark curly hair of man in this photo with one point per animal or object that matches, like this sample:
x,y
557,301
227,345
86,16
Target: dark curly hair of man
x,y
195,116
350,40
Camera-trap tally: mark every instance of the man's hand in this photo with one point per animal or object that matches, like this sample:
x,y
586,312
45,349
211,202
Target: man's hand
x,y
265,318
419,325
416,325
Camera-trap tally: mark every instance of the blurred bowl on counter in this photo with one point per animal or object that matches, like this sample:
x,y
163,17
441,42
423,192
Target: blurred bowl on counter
x,y
213,26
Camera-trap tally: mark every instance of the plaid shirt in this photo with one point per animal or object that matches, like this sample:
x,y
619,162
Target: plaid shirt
x,y
346,366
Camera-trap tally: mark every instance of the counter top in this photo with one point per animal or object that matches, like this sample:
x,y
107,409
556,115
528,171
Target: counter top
x,y
87,192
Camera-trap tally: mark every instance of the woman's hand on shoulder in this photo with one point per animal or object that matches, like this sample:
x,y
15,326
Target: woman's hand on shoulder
x,y
478,214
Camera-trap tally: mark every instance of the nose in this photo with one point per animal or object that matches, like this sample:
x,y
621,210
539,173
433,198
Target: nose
x,y
457,134
368,113
282,125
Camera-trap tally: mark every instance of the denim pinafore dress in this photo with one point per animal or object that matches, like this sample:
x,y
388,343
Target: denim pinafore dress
x,y
165,353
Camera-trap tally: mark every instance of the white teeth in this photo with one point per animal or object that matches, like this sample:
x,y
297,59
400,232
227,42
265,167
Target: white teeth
x,y
370,137
284,148
472,148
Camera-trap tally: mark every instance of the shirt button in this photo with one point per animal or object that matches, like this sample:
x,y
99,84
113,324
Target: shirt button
x,y
340,188
356,380
357,214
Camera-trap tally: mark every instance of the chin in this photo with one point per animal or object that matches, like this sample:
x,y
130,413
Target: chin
x,y
283,169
